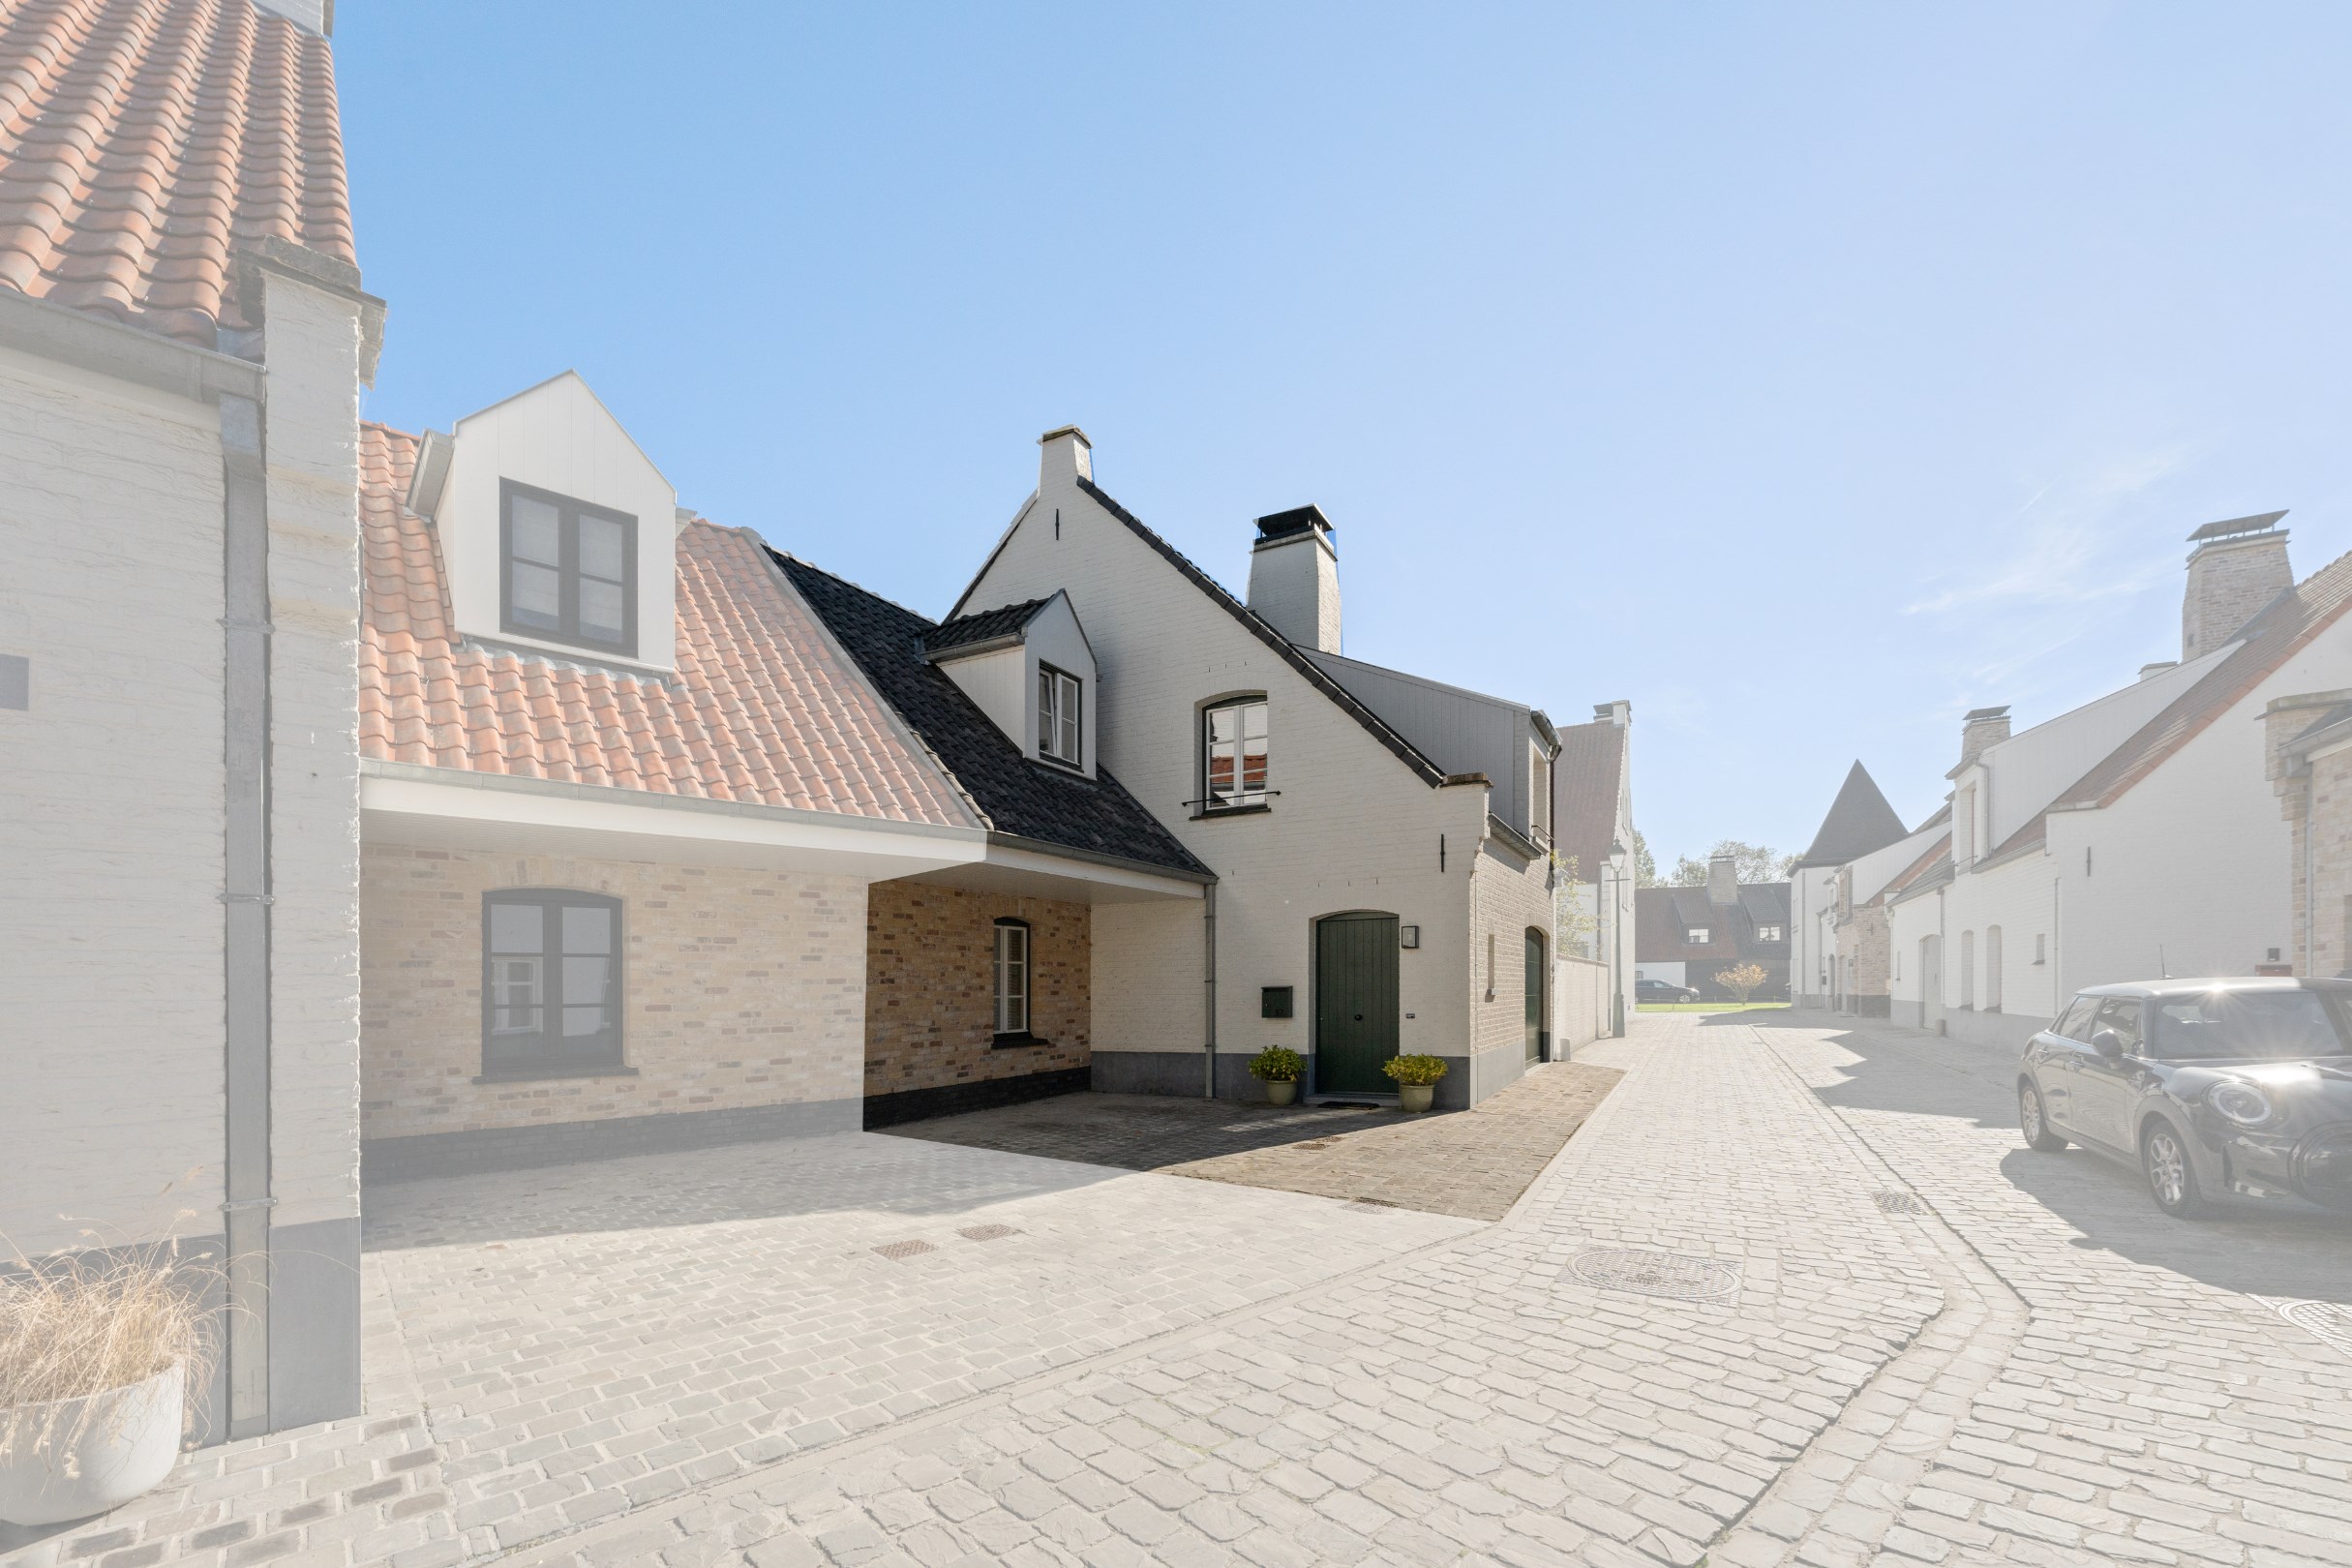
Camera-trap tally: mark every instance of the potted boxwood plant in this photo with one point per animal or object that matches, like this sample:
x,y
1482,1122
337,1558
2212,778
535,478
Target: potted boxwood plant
x,y
1416,1079
96,1354
1278,1068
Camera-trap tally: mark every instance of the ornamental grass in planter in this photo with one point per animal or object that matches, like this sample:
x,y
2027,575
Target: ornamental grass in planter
x,y
1278,1068
1416,1079
97,1351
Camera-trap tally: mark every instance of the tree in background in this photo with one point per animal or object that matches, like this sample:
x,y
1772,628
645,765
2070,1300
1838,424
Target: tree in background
x,y
1577,925
1756,862
1742,980
1645,864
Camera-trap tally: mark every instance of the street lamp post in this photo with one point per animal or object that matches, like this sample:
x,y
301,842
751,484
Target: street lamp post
x,y
1617,931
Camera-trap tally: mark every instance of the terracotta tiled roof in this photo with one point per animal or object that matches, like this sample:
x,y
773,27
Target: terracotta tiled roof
x,y
1590,767
143,144
2278,634
762,708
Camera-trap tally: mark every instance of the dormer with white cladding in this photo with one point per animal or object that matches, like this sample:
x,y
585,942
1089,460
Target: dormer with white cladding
x,y
556,531
1028,666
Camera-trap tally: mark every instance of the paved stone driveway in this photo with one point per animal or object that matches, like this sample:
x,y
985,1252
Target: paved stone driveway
x,y
1472,1164
2031,1366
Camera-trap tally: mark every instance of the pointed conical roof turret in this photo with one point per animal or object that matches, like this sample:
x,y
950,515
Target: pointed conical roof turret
x,y
1859,821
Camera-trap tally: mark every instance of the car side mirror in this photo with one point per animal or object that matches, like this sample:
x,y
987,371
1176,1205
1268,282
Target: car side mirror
x,y
2108,1043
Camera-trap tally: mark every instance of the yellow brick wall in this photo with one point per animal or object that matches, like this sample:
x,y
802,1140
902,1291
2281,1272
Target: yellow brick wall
x,y
741,988
930,989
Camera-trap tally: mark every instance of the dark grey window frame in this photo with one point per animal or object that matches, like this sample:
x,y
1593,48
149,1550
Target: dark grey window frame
x,y
550,1062
1078,685
569,511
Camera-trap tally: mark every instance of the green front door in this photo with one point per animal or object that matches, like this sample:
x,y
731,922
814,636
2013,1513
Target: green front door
x,y
1538,1035
1355,1003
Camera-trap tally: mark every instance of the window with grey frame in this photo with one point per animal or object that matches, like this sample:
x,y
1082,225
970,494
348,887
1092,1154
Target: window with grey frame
x,y
1011,987
1061,716
551,983
1233,754
567,570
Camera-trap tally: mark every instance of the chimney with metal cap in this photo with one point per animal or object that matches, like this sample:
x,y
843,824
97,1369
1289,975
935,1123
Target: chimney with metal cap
x,y
1294,578
2238,567
1980,729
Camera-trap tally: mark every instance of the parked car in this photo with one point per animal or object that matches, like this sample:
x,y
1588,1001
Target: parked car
x,y
2217,1091
1658,990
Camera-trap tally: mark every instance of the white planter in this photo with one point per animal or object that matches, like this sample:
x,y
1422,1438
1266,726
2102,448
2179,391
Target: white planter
x,y
100,1451
1415,1097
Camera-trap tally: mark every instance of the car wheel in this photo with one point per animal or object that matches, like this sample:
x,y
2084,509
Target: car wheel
x,y
2172,1180
2033,1123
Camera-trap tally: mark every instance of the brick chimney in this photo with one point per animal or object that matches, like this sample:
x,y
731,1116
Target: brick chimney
x,y
2237,567
1722,880
1980,729
1294,578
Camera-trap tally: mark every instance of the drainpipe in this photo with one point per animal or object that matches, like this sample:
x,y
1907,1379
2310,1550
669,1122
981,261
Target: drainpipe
x,y
246,896
1208,931
2310,890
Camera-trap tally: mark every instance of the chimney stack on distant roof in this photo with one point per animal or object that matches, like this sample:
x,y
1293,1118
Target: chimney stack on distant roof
x,y
2238,567
1294,578
1980,729
1619,712
1722,880
1063,453
2159,667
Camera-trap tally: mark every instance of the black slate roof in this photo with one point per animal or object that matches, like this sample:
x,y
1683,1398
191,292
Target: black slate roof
x,y
1025,799
1859,821
980,626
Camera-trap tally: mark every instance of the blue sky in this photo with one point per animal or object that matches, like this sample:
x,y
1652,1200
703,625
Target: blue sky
x,y
1806,373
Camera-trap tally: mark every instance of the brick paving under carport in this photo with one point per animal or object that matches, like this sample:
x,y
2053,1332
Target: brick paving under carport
x,y
1471,1164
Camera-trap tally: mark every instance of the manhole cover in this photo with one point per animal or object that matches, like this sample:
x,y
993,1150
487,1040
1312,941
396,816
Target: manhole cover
x,y
904,1249
2323,1319
986,1232
1900,1202
1675,1275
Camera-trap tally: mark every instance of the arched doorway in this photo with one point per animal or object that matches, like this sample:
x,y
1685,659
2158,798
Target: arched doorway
x,y
1355,1002
1539,998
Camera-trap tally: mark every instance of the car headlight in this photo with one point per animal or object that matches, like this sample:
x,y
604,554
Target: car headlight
x,y
2240,1103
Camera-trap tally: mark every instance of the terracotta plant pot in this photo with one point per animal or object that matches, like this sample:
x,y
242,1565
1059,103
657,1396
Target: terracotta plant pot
x,y
70,1459
1415,1097
1280,1094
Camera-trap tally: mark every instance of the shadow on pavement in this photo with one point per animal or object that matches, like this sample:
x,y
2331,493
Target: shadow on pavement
x,y
2300,1253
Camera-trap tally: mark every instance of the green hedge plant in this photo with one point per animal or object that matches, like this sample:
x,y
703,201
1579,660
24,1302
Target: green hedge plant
x,y
1278,1064
1415,1070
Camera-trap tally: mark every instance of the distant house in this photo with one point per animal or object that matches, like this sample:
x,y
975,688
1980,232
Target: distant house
x,y
1837,955
2133,837
1595,847
1687,936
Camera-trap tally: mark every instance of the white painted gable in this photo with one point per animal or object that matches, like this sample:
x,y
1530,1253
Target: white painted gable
x,y
559,437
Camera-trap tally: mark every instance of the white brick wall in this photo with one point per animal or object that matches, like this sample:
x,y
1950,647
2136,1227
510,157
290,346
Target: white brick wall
x,y
110,843
1353,829
313,554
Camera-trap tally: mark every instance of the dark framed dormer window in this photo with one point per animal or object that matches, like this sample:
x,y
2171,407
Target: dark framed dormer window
x,y
567,570
1061,716
551,983
1233,765
1010,985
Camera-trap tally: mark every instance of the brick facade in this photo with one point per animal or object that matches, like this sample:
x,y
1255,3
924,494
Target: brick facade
x,y
2314,787
930,989
743,988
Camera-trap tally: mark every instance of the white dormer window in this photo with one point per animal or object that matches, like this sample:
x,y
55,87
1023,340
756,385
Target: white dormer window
x,y
567,569
1697,936
1060,716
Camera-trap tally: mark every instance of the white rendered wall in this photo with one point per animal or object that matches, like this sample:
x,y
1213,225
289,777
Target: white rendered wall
x,y
2191,868
110,840
2031,768
313,344
2016,896
1354,829
1001,686
557,436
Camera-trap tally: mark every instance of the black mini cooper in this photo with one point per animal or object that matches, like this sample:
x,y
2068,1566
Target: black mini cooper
x,y
2215,1089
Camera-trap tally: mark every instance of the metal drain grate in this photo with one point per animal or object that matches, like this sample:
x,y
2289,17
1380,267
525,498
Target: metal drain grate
x,y
1675,1275
987,1232
905,1248
1900,1202
2324,1321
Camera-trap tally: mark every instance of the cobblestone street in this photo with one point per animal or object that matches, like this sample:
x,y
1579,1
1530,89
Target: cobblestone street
x,y
1888,1334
